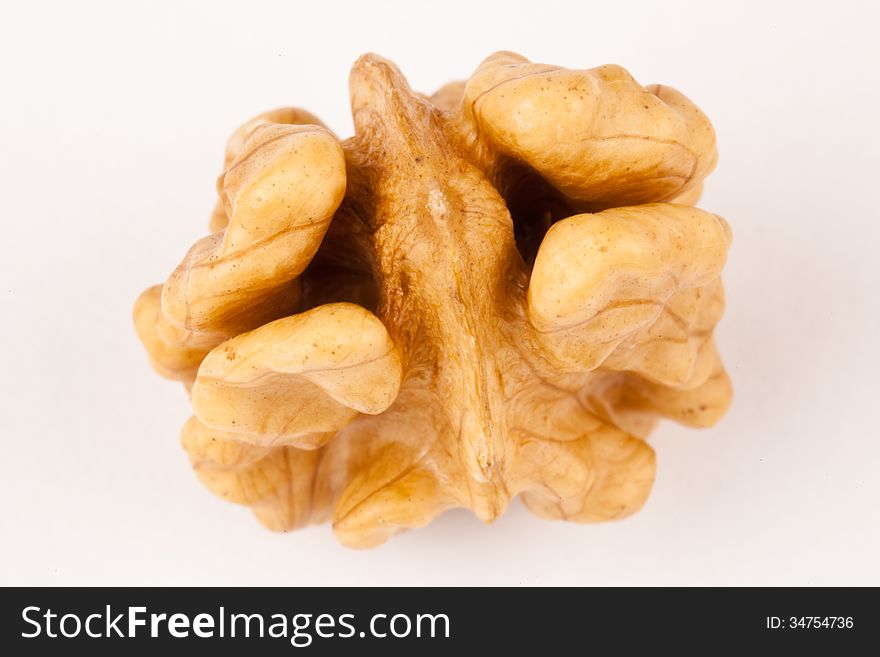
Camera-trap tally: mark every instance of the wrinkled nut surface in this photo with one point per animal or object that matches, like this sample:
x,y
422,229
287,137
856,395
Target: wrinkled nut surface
x,y
490,292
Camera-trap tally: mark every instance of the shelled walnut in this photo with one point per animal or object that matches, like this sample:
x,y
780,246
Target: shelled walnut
x,y
489,292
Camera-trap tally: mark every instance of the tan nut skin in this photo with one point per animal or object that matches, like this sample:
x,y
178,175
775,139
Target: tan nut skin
x,y
451,327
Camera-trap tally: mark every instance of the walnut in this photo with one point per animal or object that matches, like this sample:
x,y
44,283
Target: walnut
x,y
489,292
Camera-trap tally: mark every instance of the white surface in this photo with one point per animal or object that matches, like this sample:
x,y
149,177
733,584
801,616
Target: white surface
x,y
114,116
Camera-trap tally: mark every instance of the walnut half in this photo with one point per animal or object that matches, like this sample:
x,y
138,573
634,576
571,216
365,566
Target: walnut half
x,y
489,292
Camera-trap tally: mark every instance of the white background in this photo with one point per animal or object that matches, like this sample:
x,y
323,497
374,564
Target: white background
x,y
113,119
